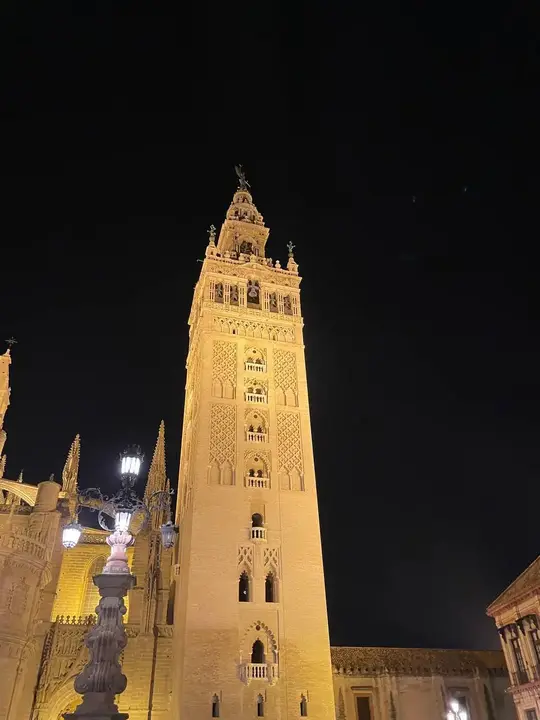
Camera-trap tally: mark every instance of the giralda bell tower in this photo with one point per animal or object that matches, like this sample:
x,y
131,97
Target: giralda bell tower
x,y
251,627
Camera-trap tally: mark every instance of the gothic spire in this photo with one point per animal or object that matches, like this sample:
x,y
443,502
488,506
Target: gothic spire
x,y
70,473
5,362
157,475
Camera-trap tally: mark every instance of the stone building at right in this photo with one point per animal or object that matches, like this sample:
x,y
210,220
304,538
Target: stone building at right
x,y
517,615
384,683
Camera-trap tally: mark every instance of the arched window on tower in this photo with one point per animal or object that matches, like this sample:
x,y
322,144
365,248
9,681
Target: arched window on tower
x,y
215,706
303,706
253,291
270,588
257,653
260,706
243,587
258,531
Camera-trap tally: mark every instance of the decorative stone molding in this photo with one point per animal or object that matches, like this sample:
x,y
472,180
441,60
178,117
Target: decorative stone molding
x,y
416,662
164,631
91,539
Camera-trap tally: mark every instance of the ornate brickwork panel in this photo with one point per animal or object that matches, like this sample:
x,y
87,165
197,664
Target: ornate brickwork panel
x,y
271,558
232,326
224,361
285,370
289,442
223,433
245,556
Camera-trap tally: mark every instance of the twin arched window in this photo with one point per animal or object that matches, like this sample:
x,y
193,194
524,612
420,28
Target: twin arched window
x,y
244,589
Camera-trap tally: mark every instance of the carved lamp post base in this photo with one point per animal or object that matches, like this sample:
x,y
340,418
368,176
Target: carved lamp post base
x,y
95,706
102,678
94,716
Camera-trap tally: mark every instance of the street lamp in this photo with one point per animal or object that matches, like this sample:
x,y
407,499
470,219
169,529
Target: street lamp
x,y
101,679
71,534
122,507
456,712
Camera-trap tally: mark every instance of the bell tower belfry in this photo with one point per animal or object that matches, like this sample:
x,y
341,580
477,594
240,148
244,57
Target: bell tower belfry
x,y
251,627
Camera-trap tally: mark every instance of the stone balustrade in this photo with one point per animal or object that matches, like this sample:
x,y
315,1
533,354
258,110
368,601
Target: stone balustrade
x,y
253,481
259,671
257,437
255,397
255,367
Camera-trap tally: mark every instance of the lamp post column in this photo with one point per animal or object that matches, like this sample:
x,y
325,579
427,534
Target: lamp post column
x,y
102,677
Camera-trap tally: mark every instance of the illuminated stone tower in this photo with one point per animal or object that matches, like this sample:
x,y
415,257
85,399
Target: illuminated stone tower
x,y
251,628
5,361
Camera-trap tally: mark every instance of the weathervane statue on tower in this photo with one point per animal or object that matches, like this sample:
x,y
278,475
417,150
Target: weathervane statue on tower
x,y
242,182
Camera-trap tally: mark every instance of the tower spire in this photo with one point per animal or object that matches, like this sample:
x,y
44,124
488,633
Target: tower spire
x,y
243,232
70,473
5,391
157,475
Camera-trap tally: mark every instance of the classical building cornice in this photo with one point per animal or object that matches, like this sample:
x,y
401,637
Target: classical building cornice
x,y
527,584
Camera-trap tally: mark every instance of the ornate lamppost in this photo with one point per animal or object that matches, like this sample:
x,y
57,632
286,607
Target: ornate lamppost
x,y
456,711
102,678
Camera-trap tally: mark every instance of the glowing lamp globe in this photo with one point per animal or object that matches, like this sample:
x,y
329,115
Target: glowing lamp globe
x,y
168,535
130,464
122,519
71,534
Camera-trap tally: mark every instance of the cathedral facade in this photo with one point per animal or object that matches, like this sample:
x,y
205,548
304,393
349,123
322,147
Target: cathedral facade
x,y
232,622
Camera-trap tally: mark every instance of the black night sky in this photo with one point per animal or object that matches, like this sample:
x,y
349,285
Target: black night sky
x,y
395,145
